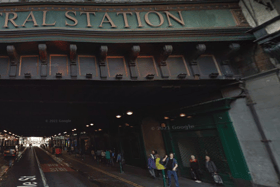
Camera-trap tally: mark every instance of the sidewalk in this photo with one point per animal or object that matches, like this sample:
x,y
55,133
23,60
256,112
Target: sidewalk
x,y
134,174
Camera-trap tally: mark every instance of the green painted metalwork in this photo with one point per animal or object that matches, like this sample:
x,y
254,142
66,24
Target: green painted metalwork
x,y
208,130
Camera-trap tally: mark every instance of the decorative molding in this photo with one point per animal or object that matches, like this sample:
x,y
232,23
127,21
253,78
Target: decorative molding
x,y
123,8
103,50
239,17
43,52
44,58
13,55
73,53
135,51
73,57
200,49
166,51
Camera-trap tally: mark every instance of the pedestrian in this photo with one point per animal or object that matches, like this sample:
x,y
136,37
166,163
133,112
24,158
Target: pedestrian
x,y
121,160
212,169
72,149
98,156
112,156
154,153
92,153
195,168
103,156
151,165
171,166
159,166
108,157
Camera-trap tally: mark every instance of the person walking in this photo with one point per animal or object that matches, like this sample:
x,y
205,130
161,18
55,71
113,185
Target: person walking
x,y
159,166
195,168
112,156
151,165
103,156
121,160
108,157
171,166
212,169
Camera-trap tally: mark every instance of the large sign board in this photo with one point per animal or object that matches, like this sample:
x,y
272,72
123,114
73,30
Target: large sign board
x,y
118,19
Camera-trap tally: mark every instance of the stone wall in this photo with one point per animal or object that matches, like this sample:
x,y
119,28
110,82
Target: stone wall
x,y
152,136
264,89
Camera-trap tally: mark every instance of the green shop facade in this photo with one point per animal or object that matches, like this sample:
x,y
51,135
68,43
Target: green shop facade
x,y
161,60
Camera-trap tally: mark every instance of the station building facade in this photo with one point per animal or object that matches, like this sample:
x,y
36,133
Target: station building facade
x,y
191,71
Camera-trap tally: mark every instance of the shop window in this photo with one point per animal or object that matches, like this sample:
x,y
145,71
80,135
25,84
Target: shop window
x,y
207,64
177,65
4,65
116,65
58,64
29,64
146,65
87,65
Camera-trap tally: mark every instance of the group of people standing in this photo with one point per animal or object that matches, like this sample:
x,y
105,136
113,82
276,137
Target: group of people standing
x,y
170,166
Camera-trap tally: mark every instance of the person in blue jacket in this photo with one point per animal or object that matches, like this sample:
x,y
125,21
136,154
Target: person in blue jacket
x,y
171,166
152,165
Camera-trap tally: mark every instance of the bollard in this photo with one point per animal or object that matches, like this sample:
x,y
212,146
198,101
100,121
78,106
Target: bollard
x,y
163,177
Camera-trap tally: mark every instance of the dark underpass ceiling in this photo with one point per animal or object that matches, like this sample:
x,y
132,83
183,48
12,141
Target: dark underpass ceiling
x,y
45,108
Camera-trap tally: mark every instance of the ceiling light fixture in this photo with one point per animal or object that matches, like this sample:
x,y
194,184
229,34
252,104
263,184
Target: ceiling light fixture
x,y
182,115
91,124
129,113
118,116
165,117
87,125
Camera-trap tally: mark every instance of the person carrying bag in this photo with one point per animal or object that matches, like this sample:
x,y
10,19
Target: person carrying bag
x,y
212,169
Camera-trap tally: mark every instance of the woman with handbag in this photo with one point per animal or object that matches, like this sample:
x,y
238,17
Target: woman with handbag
x,y
211,167
195,169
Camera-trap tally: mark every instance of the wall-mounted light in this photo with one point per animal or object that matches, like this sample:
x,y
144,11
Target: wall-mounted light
x,y
182,115
118,116
129,113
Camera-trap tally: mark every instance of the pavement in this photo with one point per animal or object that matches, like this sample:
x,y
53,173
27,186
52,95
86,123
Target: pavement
x,y
37,167
137,176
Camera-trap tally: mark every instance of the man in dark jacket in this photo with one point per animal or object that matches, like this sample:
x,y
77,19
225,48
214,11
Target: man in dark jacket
x,y
171,166
211,167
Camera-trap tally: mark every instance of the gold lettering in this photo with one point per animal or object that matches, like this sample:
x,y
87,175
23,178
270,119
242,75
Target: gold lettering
x,y
88,17
168,15
148,21
126,25
32,19
71,18
11,20
139,19
44,19
109,21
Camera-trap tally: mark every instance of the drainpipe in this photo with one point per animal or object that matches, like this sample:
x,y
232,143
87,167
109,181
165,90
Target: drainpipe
x,y
266,142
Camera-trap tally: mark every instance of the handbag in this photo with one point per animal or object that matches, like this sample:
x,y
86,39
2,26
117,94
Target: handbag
x,y
193,175
217,178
